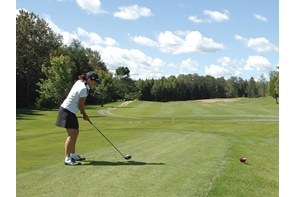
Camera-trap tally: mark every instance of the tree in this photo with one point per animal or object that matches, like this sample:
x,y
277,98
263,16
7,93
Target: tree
x,y
220,88
34,42
80,61
144,89
273,85
262,86
232,90
125,86
94,60
122,72
104,91
54,89
252,90
157,91
242,87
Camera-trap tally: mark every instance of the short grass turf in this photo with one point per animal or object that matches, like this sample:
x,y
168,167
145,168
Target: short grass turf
x,y
187,148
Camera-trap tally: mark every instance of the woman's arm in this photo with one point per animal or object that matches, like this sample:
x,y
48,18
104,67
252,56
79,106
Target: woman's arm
x,y
82,108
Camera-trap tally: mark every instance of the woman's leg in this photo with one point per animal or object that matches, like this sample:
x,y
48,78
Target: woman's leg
x,y
70,144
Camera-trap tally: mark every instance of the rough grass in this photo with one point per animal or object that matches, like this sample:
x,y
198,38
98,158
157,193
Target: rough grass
x,y
197,154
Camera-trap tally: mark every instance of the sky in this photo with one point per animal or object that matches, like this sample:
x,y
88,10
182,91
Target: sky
x,y
157,39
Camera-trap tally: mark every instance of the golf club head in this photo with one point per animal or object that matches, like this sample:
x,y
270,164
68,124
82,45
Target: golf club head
x,y
127,157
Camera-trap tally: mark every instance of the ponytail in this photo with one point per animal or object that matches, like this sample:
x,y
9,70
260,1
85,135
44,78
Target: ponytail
x,y
82,77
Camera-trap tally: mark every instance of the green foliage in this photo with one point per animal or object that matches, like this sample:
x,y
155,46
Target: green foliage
x,y
104,91
144,87
251,89
95,61
36,45
273,87
79,60
34,42
122,72
262,86
125,87
54,89
236,87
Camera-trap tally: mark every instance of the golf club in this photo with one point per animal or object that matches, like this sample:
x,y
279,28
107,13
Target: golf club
x,y
126,157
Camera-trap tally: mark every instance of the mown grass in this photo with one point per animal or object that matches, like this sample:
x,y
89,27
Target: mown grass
x,y
187,148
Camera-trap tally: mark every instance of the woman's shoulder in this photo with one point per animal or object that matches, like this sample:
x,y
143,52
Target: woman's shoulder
x,y
79,84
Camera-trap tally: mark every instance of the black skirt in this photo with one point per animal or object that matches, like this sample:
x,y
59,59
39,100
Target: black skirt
x,y
66,119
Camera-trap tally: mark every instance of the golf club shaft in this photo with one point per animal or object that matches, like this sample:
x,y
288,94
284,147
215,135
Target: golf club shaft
x,y
106,138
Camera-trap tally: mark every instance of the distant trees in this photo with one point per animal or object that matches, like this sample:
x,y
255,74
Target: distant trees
x,y
251,89
190,87
143,89
46,69
124,85
105,91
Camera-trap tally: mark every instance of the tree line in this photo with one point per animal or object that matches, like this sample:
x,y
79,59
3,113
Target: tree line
x,y
46,69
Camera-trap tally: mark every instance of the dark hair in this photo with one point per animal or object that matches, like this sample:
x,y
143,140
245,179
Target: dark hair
x,y
82,77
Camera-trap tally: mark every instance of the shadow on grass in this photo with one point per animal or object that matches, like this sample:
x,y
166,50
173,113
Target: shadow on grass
x,y
26,113
119,163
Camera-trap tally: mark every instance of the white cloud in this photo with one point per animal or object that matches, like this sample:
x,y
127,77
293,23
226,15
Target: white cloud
x,y
144,41
215,16
238,37
91,6
140,65
190,65
195,19
216,71
186,42
54,27
133,12
67,37
261,18
257,63
94,39
227,63
261,45
238,73
227,67
111,42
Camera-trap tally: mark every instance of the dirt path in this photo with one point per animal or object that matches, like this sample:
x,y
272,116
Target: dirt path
x,y
107,112
216,100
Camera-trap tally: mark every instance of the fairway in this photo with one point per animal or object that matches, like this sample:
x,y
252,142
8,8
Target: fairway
x,y
187,148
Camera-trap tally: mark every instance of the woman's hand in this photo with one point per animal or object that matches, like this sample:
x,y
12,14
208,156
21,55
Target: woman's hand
x,y
85,117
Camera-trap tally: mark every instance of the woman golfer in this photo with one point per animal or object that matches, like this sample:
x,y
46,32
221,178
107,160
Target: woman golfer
x,y
67,114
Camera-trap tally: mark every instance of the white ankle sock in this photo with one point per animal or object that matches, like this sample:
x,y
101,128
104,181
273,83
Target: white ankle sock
x,y
74,155
67,159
